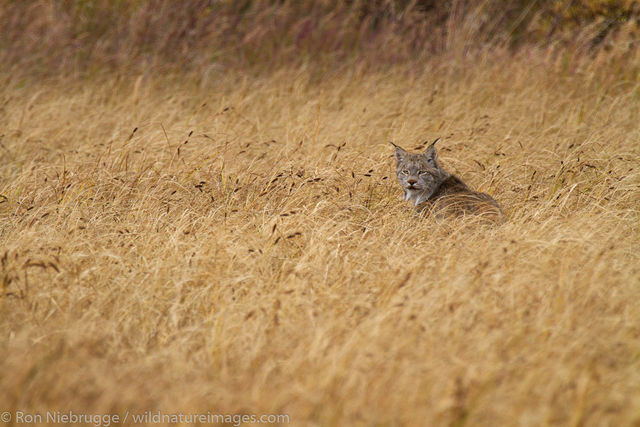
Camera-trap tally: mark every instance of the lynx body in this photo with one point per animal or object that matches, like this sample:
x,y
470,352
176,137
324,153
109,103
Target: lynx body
x,y
429,187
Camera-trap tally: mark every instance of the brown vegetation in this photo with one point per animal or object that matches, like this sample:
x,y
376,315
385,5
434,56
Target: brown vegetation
x,y
231,239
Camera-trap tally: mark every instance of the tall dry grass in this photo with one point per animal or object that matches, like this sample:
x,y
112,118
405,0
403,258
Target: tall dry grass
x,y
234,244
230,237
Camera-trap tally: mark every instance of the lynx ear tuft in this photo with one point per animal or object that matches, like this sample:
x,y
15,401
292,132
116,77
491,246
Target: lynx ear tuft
x,y
400,153
432,155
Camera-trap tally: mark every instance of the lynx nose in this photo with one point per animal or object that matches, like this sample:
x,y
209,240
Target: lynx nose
x,y
411,181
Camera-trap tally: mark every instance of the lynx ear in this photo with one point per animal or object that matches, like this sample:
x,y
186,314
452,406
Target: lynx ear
x,y
432,155
400,153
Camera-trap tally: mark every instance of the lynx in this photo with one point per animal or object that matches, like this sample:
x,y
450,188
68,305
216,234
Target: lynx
x,y
429,187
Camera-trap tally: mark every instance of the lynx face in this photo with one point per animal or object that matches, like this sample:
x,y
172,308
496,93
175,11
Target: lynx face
x,y
418,174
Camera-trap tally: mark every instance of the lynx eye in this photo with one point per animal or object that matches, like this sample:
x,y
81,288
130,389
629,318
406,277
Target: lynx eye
x,y
404,172
422,172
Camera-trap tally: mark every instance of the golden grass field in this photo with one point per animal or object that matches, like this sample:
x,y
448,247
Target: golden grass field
x,y
233,243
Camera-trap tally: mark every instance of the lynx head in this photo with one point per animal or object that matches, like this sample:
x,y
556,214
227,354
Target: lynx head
x,y
419,174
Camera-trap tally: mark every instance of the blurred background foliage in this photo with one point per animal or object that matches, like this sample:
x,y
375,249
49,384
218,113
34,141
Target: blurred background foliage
x,y
79,35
